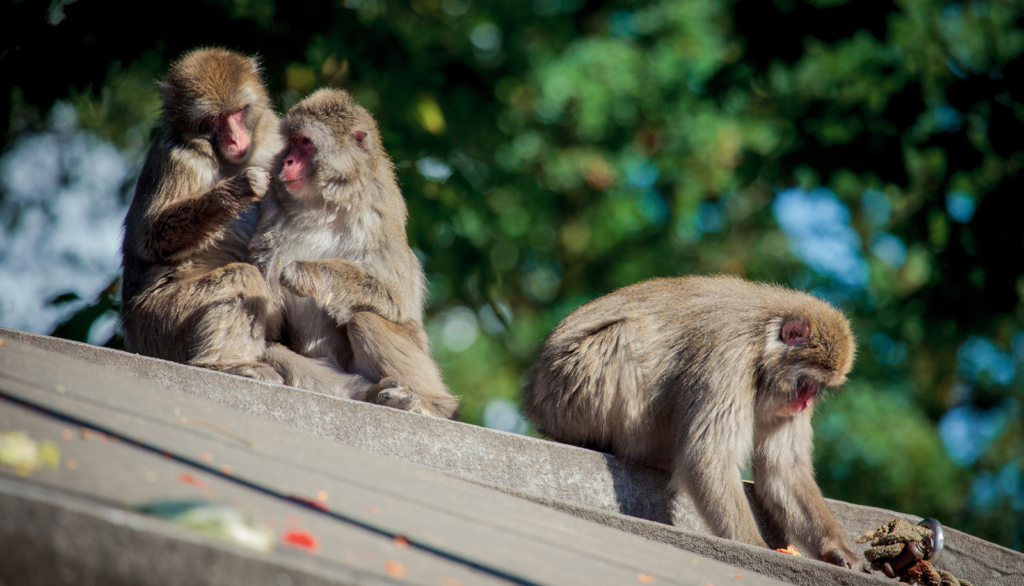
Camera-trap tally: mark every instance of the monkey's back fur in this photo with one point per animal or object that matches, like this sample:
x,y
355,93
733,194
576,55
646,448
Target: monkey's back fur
x,y
626,371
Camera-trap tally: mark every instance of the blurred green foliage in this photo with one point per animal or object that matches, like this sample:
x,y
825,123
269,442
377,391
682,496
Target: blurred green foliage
x,y
553,150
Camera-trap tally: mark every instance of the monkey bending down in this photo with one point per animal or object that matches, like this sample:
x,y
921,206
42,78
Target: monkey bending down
x,y
187,293
701,375
331,243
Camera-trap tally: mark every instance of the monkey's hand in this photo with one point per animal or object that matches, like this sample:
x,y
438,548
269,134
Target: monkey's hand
x,y
844,558
301,278
336,284
249,185
192,223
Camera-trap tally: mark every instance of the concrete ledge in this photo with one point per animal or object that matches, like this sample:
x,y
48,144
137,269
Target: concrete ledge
x,y
584,483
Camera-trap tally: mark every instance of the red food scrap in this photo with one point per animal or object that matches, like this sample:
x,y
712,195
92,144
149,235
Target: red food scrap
x,y
302,539
186,478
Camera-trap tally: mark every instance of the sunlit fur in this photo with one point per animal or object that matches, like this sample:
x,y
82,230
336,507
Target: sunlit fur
x,y
345,283
691,374
187,293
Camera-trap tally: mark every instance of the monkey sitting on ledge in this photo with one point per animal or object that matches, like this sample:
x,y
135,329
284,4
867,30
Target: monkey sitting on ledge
x,y
702,375
346,289
187,293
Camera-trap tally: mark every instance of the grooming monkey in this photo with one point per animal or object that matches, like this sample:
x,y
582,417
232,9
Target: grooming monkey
x,y
187,293
701,375
332,246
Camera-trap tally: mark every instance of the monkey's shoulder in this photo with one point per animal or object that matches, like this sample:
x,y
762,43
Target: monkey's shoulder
x,y
174,168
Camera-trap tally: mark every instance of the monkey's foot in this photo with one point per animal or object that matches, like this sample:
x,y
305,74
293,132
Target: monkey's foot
x,y
390,393
258,371
399,397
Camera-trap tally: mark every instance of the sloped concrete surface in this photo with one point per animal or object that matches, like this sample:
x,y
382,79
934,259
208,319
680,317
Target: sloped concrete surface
x,y
583,483
375,519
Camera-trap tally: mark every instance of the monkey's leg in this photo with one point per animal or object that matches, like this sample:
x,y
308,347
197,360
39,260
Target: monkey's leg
x,y
385,349
590,392
230,331
715,443
193,223
340,287
784,482
319,375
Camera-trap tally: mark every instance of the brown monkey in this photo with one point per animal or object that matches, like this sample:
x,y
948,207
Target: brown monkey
x,y
332,246
187,293
701,375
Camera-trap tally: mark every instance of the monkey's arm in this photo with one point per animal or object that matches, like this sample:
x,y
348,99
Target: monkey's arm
x,y
784,482
189,224
714,445
341,288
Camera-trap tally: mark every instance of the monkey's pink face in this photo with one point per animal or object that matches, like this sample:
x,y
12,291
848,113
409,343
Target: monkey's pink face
x,y
806,391
232,136
794,333
297,163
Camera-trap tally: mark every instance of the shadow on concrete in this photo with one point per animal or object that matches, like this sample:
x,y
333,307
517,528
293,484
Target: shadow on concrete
x,y
652,501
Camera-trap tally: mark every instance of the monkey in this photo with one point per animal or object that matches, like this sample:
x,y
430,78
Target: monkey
x,y
188,293
701,376
346,287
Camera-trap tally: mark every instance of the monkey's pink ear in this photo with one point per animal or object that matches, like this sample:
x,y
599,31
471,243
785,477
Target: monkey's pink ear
x,y
360,135
794,332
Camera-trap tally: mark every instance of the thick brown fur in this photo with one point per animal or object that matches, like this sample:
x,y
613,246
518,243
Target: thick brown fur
x,y
702,375
188,293
332,246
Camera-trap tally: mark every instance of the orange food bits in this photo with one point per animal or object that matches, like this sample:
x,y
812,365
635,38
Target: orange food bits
x,y
394,569
790,549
